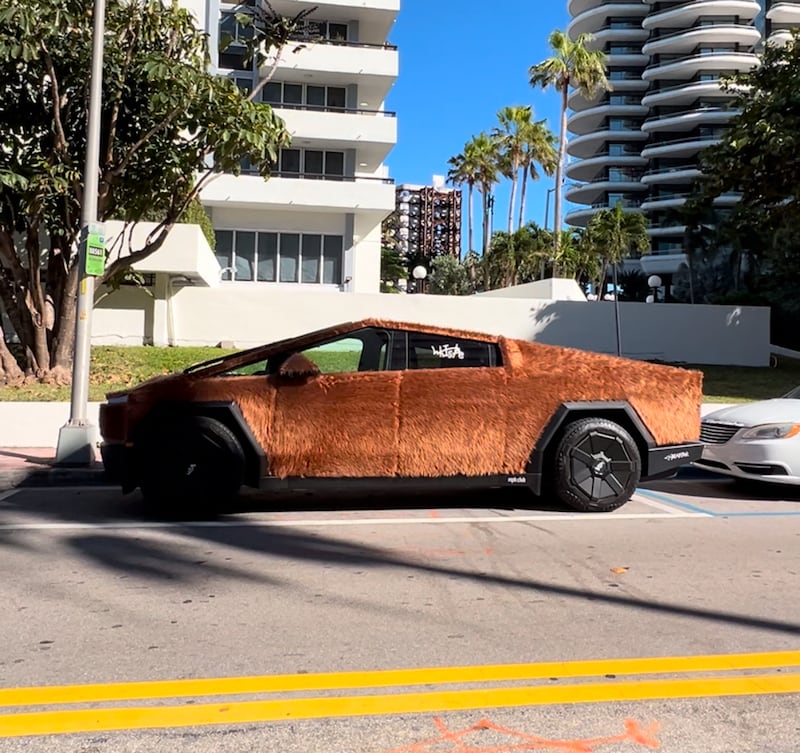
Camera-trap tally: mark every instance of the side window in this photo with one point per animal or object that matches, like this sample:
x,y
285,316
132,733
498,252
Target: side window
x,y
338,356
436,352
365,350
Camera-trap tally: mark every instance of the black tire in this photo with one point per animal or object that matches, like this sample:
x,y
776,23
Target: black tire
x,y
596,466
190,467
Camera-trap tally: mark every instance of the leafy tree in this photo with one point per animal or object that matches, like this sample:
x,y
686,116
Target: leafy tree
x,y
168,127
393,269
449,277
572,65
578,257
517,258
615,234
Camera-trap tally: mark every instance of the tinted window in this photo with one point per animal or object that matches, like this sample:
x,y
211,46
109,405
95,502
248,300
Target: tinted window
x,y
435,352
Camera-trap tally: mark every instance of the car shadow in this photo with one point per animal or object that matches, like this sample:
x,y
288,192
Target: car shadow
x,y
700,483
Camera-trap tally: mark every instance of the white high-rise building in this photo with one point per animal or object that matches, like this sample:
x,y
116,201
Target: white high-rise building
x,y
639,143
316,223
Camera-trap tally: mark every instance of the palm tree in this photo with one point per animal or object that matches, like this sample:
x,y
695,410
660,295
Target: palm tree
x,y
464,170
486,154
539,149
477,165
616,234
511,135
575,66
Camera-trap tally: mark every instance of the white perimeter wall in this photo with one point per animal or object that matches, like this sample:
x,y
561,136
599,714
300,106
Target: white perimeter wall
x,y
249,315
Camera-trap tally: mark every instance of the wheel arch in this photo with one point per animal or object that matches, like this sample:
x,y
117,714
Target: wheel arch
x,y
227,413
620,412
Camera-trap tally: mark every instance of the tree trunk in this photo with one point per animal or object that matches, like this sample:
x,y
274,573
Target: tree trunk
x,y
64,327
512,200
10,372
522,192
562,151
470,220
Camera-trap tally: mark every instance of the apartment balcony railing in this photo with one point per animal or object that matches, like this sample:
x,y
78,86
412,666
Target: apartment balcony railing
x,y
249,170
624,203
328,108
675,87
693,111
655,35
310,39
684,140
669,60
668,170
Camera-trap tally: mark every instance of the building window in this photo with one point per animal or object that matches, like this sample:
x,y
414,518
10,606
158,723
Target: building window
x,y
311,163
304,96
262,256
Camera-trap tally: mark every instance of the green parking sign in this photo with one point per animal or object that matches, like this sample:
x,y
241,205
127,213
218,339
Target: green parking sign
x,y
96,250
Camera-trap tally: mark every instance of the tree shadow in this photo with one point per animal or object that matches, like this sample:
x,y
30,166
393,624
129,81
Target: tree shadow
x,y
157,560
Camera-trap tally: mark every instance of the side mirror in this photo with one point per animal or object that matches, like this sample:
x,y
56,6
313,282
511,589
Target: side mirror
x,y
298,366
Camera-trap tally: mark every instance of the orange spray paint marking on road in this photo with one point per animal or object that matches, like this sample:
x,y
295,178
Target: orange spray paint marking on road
x,y
520,741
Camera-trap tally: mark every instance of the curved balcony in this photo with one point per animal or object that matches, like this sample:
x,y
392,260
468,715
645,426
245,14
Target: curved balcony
x,y
688,120
681,93
632,84
684,174
678,148
588,169
784,12
688,39
665,231
591,193
592,118
634,34
780,38
580,216
589,144
690,65
678,199
594,19
687,14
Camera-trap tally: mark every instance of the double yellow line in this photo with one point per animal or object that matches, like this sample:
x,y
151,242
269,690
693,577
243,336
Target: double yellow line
x,y
76,720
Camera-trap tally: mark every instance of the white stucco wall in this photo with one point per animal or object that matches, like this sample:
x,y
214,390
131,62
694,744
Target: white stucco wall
x,y
249,315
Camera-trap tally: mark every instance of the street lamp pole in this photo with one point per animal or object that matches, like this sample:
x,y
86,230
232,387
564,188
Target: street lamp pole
x,y
76,437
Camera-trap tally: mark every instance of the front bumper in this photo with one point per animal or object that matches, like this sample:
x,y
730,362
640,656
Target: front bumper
x,y
118,464
664,459
772,460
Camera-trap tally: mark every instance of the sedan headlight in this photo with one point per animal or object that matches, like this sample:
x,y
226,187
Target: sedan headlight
x,y
772,431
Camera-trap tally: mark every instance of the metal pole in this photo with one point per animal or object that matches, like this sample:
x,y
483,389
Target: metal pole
x,y
76,438
616,310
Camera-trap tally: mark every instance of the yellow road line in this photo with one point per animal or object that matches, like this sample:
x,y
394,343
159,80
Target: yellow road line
x,y
36,696
97,720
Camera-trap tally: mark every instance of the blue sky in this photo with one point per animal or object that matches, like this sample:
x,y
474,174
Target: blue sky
x,y
459,64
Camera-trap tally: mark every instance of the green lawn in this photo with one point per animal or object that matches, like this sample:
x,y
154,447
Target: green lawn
x,y
115,368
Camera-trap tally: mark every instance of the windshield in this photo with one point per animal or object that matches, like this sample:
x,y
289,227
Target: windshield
x,y
795,393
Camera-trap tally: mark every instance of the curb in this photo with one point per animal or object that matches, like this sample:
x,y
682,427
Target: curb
x,y
44,477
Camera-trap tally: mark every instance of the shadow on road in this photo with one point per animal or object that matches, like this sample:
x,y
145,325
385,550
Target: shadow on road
x,y
164,556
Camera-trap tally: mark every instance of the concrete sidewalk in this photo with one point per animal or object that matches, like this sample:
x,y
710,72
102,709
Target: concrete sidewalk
x,y
35,466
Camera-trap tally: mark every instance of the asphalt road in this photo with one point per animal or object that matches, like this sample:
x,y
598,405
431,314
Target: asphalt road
x,y
368,625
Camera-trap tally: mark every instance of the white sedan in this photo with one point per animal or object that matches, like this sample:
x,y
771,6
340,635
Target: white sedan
x,y
757,441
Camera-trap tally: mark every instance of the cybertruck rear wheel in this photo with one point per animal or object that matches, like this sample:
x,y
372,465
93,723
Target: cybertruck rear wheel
x,y
596,466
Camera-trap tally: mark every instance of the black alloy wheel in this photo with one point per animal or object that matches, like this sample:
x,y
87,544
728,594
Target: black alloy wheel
x,y
190,467
597,466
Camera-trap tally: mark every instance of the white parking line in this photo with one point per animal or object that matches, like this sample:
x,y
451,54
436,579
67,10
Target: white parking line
x,y
8,494
337,522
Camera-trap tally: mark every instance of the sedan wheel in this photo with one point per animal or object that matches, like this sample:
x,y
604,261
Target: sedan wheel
x,y
597,466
